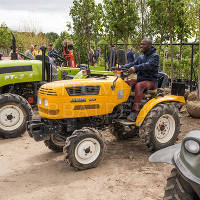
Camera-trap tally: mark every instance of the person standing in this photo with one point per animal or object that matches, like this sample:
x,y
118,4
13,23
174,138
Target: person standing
x,y
51,50
130,56
111,57
29,52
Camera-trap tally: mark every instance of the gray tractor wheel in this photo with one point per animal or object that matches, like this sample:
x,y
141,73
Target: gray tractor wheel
x,y
178,188
161,126
84,149
15,111
55,143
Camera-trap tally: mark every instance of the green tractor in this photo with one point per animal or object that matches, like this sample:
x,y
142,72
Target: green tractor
x,y
20,81
184,181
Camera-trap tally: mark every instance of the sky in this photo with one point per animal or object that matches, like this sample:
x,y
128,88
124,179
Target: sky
x,y
36,15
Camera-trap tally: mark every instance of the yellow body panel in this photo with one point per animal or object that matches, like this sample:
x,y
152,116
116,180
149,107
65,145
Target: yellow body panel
x,y
61,105
150,104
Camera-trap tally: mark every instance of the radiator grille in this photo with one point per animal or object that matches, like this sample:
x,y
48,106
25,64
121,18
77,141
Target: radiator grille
x,y
83,90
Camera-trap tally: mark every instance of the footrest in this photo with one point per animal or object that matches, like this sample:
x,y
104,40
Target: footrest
x,y
126,122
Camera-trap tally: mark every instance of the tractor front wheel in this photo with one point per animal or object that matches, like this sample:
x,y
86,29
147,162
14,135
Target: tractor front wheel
x,y
15,111
84,149
161,127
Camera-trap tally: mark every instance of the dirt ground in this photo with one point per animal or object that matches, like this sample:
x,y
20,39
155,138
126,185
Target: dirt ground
x,y
30,171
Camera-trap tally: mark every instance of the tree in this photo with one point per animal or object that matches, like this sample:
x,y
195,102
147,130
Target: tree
x,y
86,16
51,36
5,37
63,36
120,20
169,13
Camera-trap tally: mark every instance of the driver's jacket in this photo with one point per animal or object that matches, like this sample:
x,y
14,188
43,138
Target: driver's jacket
x,y
146,66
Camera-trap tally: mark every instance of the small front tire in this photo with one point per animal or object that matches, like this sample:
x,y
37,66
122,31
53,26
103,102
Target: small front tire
x,y
84,149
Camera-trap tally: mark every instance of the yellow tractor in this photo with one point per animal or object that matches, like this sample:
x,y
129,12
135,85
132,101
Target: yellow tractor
x,y
73,113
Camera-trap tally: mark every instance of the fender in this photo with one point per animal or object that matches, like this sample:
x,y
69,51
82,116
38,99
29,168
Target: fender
x,y
153,102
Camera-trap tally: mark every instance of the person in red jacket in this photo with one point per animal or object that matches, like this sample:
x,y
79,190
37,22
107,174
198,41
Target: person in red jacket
x,y
68,53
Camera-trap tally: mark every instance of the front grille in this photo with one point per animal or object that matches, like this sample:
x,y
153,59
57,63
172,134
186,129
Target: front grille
x,y
45,91
83,90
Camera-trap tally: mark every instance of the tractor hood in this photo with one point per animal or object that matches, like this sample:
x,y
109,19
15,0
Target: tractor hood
x,y
57,86
81,97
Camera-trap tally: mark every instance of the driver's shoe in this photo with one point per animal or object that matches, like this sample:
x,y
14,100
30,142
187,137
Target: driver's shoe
x,y
132,116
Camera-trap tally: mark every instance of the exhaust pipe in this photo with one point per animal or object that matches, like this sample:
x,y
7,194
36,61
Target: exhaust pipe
x,y
43,49
14,55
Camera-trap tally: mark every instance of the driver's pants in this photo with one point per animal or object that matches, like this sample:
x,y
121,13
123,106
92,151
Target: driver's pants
x,y
139,88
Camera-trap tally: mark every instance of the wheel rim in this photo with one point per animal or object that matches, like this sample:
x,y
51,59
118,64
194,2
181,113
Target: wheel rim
x,y
165,128
87,150
11,117
57,140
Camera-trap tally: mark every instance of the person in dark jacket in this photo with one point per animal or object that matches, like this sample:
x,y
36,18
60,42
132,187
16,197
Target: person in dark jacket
x,y
146,68
130,56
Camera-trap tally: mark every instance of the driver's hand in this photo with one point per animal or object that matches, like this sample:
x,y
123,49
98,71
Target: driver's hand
x,y
131,70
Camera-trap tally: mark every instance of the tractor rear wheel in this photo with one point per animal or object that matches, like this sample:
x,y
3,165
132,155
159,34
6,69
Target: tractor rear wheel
x,y
120,133
15,111
84,149
55,143
178,188
161,127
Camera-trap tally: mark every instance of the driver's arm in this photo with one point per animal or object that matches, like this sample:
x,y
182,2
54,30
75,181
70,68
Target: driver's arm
x,y
127,66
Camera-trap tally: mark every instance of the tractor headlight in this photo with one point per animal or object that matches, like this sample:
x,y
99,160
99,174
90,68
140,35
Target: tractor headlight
x,y
192,146
39,101
45,102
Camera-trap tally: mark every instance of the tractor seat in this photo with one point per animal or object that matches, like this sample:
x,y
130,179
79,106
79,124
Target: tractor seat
x,y
147,93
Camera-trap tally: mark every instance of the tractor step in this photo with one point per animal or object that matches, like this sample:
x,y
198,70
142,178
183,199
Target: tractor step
x,y
126,122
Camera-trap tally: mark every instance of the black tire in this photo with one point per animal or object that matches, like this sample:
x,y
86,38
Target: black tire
x,y
55,143
147,132
74,140
19,107
120,133
178,189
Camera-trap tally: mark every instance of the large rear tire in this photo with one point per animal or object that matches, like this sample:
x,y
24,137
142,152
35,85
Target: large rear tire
x,y
161,127
55,143
178,189
84,149
15,111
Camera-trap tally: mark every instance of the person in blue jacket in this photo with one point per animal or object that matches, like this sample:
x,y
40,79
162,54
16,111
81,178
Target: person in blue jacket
x,y
130,56
146,68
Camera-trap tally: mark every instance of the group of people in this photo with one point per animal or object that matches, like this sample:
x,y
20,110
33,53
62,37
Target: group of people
x,y
115,57
34,50
93,56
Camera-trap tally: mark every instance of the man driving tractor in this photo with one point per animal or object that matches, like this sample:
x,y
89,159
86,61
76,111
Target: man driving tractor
x,y
146,68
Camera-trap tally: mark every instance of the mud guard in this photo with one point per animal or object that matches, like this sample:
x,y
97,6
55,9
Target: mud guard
x,y
153,102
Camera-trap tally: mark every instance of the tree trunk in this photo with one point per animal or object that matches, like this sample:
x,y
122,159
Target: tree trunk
x,y
161,39
179,61
199,60
172,54
126,48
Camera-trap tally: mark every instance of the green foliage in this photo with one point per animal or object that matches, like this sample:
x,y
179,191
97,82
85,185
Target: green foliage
x,y
51,36
120,19
5,37
63,36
